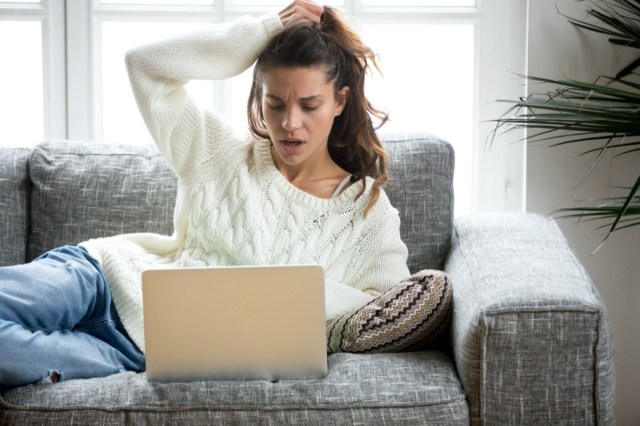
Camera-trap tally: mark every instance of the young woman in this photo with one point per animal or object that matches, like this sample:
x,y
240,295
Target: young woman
x,y
303,187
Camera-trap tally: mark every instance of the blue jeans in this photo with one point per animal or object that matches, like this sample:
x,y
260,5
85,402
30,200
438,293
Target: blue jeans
x,y
57,322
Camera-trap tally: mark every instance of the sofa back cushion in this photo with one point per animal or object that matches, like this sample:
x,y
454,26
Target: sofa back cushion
x,y
14,205
421,188
85,190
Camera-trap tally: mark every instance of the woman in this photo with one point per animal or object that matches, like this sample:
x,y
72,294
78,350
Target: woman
x,y
305,187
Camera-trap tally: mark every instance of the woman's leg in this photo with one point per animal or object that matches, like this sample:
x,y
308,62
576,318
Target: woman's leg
x,y
57,322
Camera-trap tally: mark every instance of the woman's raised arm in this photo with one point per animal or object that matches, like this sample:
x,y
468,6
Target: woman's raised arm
x,y
183,131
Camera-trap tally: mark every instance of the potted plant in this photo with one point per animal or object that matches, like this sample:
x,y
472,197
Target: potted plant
x,y
605,112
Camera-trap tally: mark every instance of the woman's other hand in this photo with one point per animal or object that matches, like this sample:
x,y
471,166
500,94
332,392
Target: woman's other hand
x,y
301,11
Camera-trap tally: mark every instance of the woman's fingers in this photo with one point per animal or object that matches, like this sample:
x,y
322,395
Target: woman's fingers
x,y
300,11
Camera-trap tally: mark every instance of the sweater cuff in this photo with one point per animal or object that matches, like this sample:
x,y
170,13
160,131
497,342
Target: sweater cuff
x,y
272,23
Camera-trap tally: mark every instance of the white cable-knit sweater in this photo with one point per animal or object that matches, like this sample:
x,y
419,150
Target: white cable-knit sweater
x,y
233,206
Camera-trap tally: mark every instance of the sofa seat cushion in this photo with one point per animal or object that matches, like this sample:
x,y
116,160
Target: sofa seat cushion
x,y
416,388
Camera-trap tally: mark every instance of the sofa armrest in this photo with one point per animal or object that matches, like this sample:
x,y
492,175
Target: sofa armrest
x,y
530,334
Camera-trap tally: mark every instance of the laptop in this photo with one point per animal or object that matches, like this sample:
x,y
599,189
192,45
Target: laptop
x,y
235,323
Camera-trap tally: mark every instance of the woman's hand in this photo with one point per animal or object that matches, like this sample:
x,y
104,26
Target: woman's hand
x,y
301,11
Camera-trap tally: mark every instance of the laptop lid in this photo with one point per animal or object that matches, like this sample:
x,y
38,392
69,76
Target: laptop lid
x,y
239,322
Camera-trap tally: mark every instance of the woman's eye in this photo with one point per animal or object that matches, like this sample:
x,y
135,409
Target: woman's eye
x,y
309,107
275,107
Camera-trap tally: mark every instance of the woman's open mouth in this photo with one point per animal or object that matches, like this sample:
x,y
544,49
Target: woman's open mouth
x,y
291,146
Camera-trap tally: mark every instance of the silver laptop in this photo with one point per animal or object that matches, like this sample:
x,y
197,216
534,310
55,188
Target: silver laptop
x,y
249,322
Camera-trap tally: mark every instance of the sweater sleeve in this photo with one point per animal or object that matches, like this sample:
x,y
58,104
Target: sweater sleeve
x,y
158,72
384,265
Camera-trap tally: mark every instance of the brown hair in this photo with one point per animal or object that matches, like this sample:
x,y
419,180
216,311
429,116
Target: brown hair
x,y
333,45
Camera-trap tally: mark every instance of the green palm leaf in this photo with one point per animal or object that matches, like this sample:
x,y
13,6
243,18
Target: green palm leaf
x,y
579,112
621,19
575,112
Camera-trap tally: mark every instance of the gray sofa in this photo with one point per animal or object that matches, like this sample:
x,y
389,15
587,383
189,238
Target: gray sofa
x,y
529,344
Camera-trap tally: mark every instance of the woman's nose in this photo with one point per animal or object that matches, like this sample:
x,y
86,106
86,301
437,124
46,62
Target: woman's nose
x,y
291,120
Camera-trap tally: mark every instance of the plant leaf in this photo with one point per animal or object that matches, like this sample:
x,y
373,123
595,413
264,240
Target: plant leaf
x,y
627,202
628,69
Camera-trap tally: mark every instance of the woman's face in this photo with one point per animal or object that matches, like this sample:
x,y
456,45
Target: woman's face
x,y
299,106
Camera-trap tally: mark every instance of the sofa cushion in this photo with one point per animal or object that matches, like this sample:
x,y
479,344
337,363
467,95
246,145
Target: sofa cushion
x,y
416,388
421,188
84,190
412,314
14,205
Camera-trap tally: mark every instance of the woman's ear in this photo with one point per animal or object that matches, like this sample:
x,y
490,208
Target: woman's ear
x,y
342,98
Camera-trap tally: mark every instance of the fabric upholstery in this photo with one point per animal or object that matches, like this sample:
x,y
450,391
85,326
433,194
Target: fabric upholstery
x,y
421,188
530,333
14,205
76,192
354,393
530,339
85,190
412,314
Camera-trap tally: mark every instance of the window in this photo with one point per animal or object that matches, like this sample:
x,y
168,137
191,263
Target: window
x,y
427,88
32,77
444,64
21,83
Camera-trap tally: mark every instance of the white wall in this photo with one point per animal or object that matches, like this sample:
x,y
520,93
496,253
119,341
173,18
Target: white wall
x,y
557,49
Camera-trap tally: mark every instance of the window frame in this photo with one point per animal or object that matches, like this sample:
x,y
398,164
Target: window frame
x,y
72,67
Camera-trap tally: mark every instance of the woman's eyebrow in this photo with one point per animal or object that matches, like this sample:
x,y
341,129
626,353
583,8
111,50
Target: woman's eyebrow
x,y
311,98
305,99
